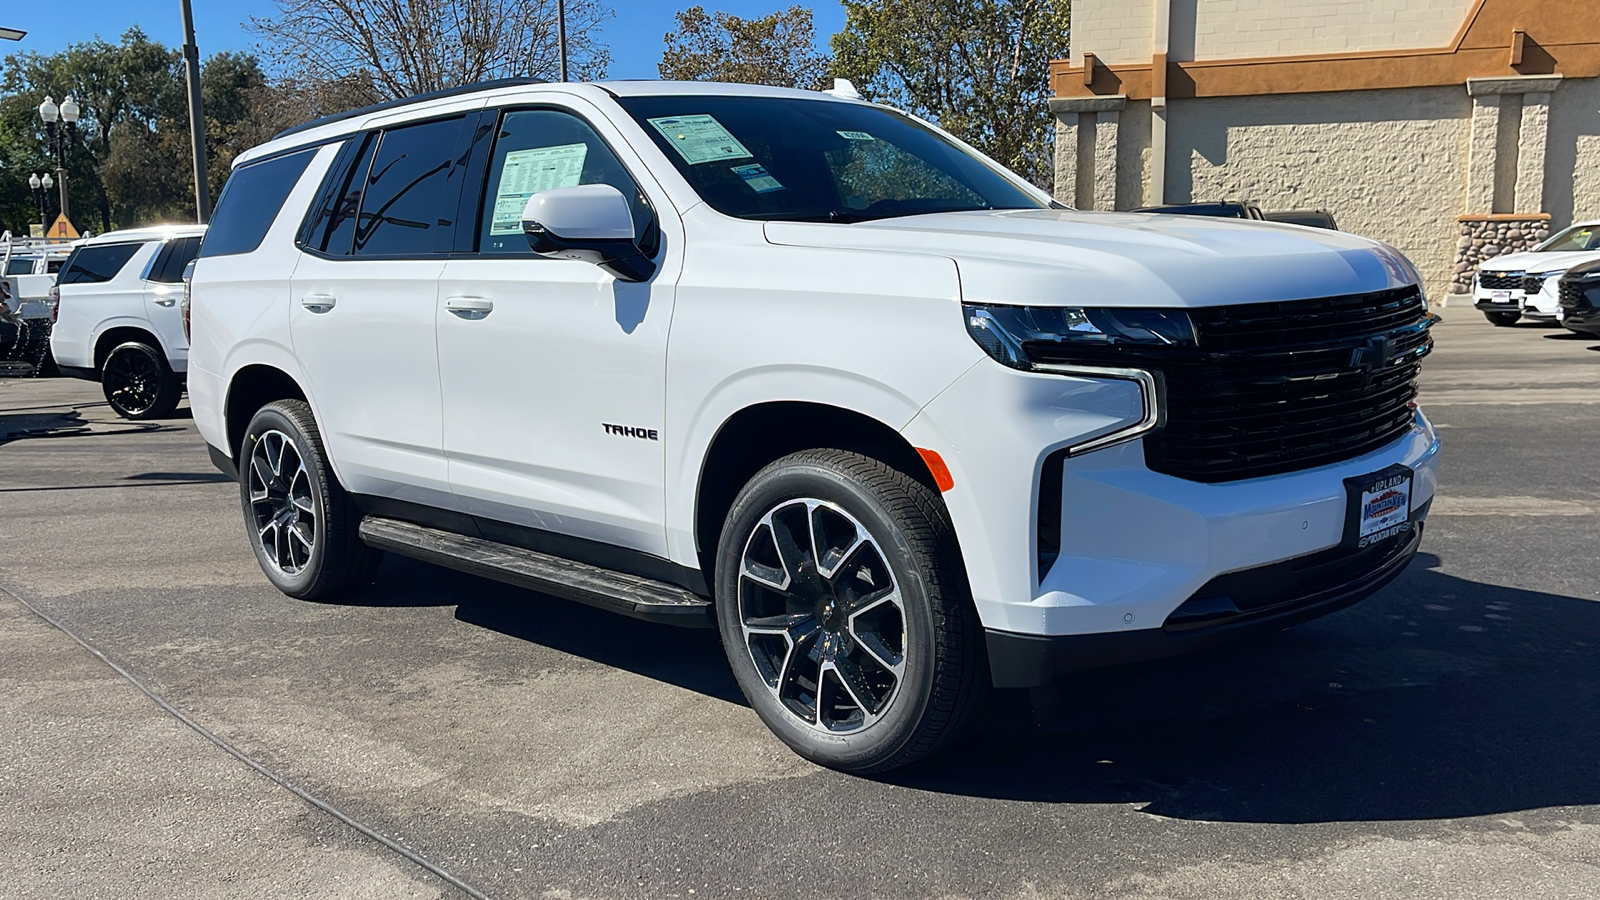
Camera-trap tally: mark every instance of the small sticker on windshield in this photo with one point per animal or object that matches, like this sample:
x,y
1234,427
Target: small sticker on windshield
x,y
757,177
699,139
856,136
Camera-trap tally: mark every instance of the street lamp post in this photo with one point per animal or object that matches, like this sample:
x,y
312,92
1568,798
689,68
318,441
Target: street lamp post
x,y
60,137
41,190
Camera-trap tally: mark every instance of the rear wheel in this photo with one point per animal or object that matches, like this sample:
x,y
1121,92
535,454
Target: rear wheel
x,y
138,383
845,612
302,525
1502,318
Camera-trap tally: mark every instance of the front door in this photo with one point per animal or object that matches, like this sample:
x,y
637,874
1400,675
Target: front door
x,y
553,371
362,314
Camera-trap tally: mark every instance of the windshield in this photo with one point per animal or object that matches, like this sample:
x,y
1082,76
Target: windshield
x,y
817,160
1578,237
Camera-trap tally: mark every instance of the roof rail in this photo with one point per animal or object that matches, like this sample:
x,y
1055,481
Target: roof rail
x,y
407,101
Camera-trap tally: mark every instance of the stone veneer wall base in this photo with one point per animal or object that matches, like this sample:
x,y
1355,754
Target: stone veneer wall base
x,y
1487,236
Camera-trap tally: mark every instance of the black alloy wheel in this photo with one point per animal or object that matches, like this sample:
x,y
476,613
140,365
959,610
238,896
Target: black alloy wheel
x,y
844,609
138,383
302,525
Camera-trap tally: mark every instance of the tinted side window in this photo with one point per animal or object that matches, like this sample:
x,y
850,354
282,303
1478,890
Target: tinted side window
x,y
169,263
19,267
250,201
100,263
540,149
53,265
409,202
332,227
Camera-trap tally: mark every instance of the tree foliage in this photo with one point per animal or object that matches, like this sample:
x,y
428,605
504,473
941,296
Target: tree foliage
x,y
778,49
132,163
340,53
980,68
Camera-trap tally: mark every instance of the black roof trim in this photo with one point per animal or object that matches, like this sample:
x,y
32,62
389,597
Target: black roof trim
x,y
407,101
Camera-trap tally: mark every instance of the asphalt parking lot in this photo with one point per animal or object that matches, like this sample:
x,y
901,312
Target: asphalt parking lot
x,y
1441,739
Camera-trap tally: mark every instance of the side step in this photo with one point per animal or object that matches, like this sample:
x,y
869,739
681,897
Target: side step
x,y
631,595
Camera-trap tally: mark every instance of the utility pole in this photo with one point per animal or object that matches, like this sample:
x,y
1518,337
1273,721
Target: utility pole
x,y
561,34
197,129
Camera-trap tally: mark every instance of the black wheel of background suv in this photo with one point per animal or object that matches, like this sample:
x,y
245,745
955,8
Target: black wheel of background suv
x,y
1502,318
844,609
138,383
301,523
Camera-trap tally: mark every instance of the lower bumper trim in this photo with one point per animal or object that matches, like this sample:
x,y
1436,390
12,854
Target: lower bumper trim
x,y
1031,660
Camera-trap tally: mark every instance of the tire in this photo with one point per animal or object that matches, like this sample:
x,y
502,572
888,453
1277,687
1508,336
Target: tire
x,y
917,670
138,383
301,523
1502,319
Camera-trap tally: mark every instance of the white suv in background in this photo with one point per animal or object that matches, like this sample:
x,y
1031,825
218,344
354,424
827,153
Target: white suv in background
x,y
118,319
808,370
1517,285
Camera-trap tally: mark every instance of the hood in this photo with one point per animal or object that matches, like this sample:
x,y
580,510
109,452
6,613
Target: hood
x,y
1052,257
1529,261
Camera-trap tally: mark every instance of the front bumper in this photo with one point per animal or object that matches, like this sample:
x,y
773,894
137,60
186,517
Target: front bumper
x,y
1134,544
1229,608
1582,321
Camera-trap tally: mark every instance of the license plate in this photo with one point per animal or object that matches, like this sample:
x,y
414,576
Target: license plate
x,y
1379,506
1500,296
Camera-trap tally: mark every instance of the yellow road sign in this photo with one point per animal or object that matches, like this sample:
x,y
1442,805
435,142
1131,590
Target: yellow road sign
x,y
62,228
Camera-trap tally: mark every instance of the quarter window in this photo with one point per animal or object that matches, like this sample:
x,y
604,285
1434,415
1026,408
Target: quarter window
x,y
250,202
541,149
98,263
409,202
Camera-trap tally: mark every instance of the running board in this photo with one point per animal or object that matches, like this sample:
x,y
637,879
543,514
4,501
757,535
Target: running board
x,y
630,595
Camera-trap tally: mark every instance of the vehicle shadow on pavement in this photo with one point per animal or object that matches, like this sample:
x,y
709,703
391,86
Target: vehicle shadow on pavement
x,y
1437,698
690,658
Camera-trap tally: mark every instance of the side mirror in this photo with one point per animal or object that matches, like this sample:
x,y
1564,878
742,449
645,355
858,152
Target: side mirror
x,y
591,222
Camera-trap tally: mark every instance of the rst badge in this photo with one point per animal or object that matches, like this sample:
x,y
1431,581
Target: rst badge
x,y
1379,506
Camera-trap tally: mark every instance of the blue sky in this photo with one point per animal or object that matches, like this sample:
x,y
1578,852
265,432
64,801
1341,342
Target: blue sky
x,y
634,33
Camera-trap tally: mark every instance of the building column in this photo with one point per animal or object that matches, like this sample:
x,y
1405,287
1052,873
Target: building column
x,y
1086,149
1105,159
1481,153
1531,140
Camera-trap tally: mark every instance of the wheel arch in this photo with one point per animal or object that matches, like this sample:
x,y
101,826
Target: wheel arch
x,y
252,387
116,335
762,433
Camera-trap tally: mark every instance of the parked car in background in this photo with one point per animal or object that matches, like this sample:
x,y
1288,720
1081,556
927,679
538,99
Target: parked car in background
x,y
1524,285
808,370
1311,218
118,320
28,269
1245,209
1579,306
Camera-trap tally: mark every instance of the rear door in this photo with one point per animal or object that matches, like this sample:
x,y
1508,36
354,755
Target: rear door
x,y
364,295
163,288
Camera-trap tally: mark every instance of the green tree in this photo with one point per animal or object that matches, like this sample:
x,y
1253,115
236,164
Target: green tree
x,y
778,49
979,68
132,163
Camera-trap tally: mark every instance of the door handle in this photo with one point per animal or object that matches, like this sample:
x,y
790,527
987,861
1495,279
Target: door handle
x,y
318,303
469,307
166,301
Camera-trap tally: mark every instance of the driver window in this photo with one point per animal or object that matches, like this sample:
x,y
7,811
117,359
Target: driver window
x,y
540,149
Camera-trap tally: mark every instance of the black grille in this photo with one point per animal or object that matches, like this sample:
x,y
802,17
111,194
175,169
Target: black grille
x,y
1533,284
1501,281
1280,387
1575,294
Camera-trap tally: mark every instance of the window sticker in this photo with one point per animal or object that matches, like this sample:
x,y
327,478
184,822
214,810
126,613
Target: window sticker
x,y
699,139
528,172
757,177
856,136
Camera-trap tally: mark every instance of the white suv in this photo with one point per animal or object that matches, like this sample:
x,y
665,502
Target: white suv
x,y
118,320
812,371
1526,285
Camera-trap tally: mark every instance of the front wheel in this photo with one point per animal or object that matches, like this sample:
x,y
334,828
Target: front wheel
x,y
845,612
1502,319
302,525
138,383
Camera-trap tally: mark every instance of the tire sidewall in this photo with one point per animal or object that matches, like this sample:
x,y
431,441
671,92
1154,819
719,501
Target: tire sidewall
x,y
863,749
270,418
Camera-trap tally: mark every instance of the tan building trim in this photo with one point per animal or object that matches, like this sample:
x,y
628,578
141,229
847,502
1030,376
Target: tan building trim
x,y
1556,36
1505,217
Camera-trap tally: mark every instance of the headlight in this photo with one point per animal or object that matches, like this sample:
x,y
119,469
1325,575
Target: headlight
x,y
1004,332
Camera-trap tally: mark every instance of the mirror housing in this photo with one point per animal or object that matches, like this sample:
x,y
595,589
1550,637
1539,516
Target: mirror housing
x,y
589,222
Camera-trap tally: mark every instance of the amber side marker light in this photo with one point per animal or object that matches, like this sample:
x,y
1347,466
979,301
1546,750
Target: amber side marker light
x,y
940,471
